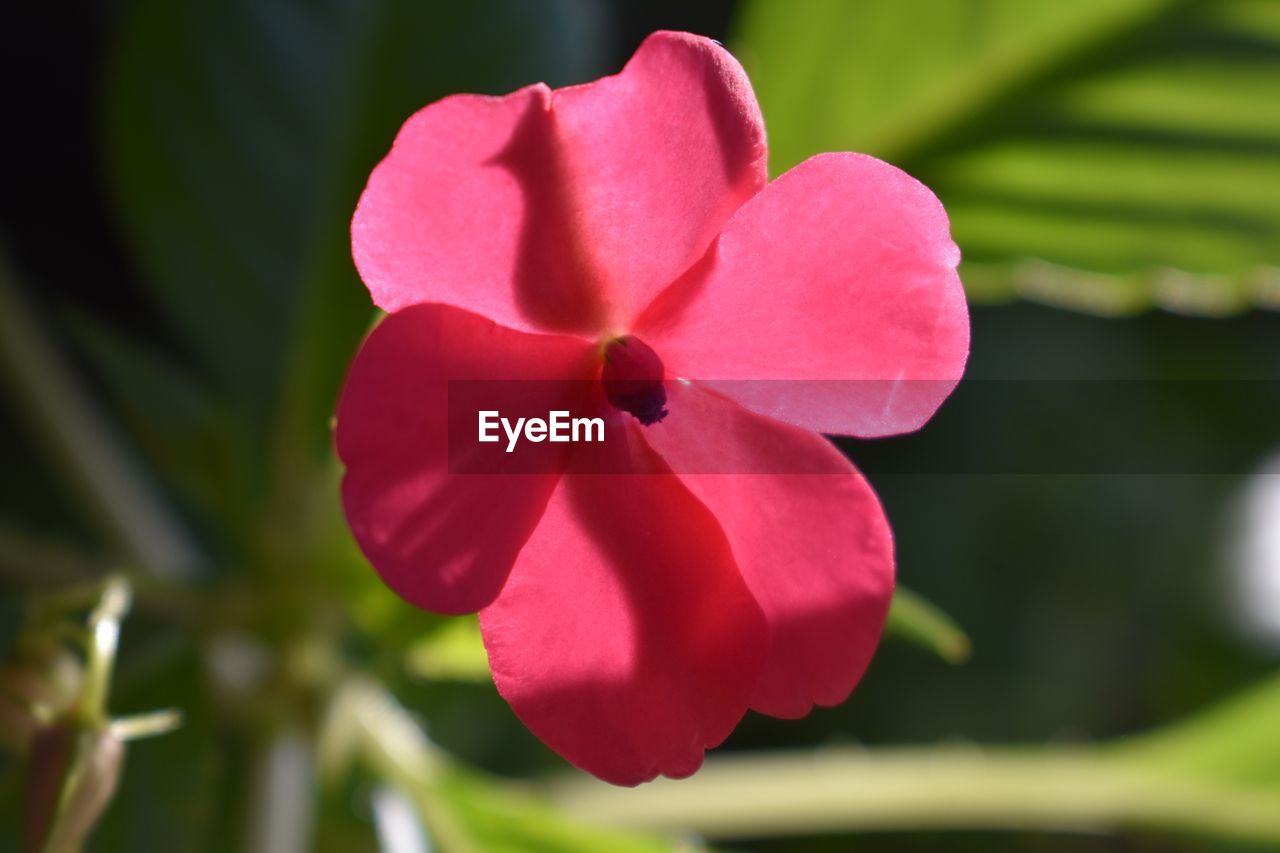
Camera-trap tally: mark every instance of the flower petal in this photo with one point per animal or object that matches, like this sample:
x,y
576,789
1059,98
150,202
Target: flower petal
x,y
565,211
807,532
838,279
448,217
625,638
442,538
660,156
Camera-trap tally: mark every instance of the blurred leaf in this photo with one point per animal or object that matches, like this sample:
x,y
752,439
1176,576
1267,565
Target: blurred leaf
x,y
1107,155
239,135
461,810
916,620
1170,781
501,821
186,434
1215,775
1235,741
454,651
83,445
45,563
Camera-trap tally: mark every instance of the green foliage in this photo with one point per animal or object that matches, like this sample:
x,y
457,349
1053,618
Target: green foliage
x,y
466,811
505,822
1233,744
1107,155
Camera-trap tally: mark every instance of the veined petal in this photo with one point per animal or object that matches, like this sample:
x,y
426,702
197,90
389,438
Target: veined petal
x,y
830,299
443,538
564,211
807,533
625,637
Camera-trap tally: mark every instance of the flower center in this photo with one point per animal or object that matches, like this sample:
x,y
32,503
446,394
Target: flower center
x,y
632,379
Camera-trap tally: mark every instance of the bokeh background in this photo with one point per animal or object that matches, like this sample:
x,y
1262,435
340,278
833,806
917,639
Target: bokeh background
x,y
177,305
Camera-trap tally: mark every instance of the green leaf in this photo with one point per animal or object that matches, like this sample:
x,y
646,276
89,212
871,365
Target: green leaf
x,y
1106,155
916,620
451,652
239,135
1232,742
100,471
505,821
464,811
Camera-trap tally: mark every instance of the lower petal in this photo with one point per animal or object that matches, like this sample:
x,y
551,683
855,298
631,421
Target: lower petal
x,y
808,535
625,637
445,540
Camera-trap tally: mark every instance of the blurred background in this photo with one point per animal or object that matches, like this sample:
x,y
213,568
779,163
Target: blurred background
x,y
1096,511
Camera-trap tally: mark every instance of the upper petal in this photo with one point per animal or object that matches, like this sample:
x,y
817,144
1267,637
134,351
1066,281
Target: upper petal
x,y
564,211
808,535
625,638
660,156
837,279
442,538
449,216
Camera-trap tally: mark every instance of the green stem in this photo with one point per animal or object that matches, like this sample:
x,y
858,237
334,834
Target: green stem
x,y
146,725
100,655
92,750
913,618
1065,789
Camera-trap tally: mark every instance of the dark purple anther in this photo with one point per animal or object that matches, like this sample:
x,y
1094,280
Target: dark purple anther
x,y
632,379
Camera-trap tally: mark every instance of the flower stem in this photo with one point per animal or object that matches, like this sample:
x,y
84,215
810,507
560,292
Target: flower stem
x,y
100,655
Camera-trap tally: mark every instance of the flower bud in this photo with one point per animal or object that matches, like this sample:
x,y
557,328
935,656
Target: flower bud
x,y
72,773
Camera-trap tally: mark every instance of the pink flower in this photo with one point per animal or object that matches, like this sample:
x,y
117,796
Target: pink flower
x,y
620,233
